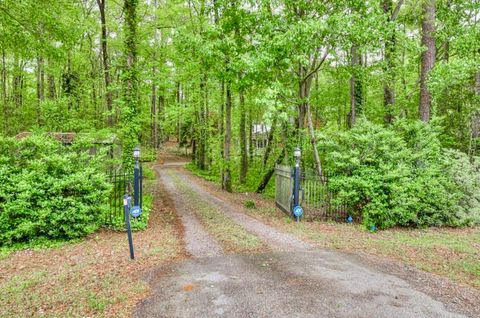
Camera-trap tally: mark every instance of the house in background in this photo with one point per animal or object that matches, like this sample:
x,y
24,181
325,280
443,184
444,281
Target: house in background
x,y
260,133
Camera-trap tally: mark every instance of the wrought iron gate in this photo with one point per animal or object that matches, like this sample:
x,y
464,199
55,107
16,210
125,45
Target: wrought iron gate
x,y
317,199
120,180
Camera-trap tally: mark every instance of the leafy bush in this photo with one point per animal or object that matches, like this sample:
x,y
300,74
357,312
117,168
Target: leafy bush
x,y
49,191
249,204
401,176
148,154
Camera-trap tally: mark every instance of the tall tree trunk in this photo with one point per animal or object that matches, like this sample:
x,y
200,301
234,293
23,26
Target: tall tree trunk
x,y
68,82
202,160
4,93
160,112
130,82
243,140
18,81
202,151
389,59
154,110
476,114
17,85
271,133
227,177
206,134
428,57
305,85
268,175
356,89
302,94
179,126
221,121
106,61
52,90
306,77
40,86
313,141
250,135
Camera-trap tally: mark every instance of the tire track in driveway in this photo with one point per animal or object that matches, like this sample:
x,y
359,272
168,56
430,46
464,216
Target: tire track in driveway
x,y
294,281
198,242
277,240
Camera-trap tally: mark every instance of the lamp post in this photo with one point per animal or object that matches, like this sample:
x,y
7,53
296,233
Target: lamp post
x,y
136,176
296,211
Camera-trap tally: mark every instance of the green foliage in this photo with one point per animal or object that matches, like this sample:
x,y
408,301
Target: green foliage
x,y
148,154
401,175
148,173
49,191
249,204
202,173
170,63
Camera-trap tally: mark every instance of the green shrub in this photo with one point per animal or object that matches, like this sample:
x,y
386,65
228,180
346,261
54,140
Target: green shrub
x,y
148,154
401,176
249,204
49,191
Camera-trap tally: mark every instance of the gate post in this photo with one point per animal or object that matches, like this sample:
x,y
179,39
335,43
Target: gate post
x,y
136,177
126,207
296,210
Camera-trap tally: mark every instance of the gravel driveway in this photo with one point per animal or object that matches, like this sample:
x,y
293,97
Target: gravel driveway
x,y
293,281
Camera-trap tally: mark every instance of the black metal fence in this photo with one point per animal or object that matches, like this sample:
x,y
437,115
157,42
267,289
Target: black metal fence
x,y
319,201
121,183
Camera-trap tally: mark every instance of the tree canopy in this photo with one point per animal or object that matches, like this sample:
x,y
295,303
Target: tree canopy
x,y
242,82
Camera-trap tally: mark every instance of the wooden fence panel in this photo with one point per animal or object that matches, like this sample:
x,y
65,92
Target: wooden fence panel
x,y
283,187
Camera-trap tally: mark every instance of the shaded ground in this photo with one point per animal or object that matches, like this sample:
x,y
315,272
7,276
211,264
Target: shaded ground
x,y
294,281
294,284
198,241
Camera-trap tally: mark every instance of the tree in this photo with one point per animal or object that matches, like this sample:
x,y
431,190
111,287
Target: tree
x,y
356,89
390,45
106,61
428,57
130,82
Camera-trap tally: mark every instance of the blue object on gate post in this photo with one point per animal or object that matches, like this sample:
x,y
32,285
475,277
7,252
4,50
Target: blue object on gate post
x,y
296,185
136,211
126,206
136,177
297,212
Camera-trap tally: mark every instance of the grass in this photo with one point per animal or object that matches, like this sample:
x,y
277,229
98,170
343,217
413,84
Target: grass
x,y
453,253
39,294
232,236
207,175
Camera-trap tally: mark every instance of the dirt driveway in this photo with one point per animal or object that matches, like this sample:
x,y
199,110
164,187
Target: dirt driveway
x,y
274,275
